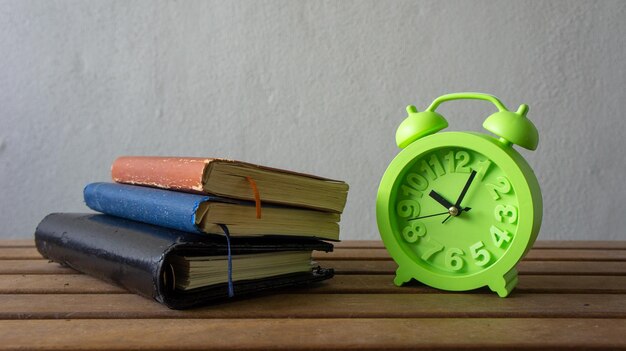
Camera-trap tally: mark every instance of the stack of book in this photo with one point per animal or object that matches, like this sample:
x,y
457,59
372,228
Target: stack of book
x,y
188,231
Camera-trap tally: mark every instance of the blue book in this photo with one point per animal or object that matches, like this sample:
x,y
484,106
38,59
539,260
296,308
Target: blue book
x,y
204,214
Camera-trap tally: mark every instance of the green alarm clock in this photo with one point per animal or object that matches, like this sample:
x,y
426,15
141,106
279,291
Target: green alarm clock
x,y
458,210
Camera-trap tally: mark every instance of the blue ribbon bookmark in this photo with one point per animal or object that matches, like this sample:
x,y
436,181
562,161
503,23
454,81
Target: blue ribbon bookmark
x,y
231,290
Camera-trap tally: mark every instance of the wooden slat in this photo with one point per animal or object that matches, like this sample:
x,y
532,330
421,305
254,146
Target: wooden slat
x,y
39,266
359,244
340,284
55,284
575,255
521,305
360,267
540,244
19,253
383,284
572,268
298,334
533,255
17,243
524,267
581,244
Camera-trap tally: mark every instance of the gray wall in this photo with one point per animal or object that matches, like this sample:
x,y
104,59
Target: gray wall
x,y
312,86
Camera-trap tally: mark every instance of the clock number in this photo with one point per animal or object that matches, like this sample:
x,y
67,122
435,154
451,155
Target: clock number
x,y
417,181
483,168
408,191
480,255
463,158
453,260
412,232
503,187
408,208
434,162
424,167
499,236
461,167
437,247
502,211
449,157
416,184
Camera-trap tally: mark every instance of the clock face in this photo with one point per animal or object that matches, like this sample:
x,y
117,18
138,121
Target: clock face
x,y
439,233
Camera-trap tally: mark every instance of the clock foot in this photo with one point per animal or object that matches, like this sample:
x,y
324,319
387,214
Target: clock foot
x,y
402,276
506,284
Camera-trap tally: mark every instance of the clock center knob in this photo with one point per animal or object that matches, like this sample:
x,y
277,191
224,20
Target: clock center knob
x,y
453,211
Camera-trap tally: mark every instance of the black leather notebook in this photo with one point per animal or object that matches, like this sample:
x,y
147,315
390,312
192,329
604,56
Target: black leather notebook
x,y
136,256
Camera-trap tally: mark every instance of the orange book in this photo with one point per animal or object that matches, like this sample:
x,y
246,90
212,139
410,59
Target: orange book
x,y
234,179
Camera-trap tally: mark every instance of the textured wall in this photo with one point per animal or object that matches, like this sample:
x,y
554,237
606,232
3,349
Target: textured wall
x,y
312,86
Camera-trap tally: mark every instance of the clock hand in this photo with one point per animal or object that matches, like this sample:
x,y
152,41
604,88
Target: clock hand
x,y
465,188
432,215
437,214
445,203
453,210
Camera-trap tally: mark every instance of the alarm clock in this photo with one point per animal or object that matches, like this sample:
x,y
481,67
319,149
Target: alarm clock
x,y
458,210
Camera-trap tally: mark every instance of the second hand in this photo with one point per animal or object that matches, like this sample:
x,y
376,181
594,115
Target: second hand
x,y
437,214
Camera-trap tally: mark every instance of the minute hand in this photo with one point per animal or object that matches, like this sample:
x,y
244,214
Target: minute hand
x,y
465,188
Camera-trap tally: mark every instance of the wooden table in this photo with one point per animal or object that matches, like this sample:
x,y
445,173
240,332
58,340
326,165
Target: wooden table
x,y
570,295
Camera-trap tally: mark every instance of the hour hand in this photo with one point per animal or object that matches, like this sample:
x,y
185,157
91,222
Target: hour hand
x,y
445,203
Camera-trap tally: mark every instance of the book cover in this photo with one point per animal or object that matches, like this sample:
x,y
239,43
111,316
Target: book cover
x,y
137,256
202,213
232,179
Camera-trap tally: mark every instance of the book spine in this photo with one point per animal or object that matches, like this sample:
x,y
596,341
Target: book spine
x,y
184,174
164,208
